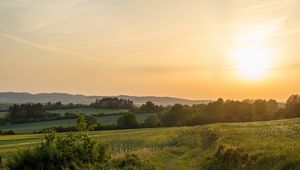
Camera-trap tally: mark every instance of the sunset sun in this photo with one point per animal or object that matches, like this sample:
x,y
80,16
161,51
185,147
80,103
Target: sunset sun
x,y
252,62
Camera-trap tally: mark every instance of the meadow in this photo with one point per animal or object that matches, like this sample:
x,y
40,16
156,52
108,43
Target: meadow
x,y
3,114
37,126
88,111
255,145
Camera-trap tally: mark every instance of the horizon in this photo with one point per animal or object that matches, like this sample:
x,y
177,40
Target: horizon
x,y
196,50
117,95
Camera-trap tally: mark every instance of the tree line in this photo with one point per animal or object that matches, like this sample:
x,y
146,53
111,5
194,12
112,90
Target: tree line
x,y
19,113
177,115
231,111
112,103
33,112
219,111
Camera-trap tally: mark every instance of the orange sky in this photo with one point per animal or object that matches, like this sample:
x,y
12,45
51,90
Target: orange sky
x,y
197,49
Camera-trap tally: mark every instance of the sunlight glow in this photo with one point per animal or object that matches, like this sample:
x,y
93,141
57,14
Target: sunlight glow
x,y
252,62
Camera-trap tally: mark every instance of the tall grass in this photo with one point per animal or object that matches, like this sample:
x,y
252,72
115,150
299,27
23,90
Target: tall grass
x,y
255,145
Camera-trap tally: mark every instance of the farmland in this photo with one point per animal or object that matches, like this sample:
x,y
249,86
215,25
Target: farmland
x,y
3,114
88,111
37,126
255,145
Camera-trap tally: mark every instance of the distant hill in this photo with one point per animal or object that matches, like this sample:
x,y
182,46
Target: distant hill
x,y
8,98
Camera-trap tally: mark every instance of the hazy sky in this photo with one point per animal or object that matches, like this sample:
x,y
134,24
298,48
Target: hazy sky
x,y
199,49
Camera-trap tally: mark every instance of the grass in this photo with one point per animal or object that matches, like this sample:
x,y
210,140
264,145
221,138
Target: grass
x,y
3,114
88,111
37,126
270,145
256,145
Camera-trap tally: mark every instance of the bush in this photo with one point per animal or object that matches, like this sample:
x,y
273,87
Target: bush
x,y
75,151
10,132
231,157
131,162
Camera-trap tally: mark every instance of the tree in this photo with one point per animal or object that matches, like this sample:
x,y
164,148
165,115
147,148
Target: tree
x,y
231,111
128,121
260,108
246,110
293,105
150,107
27,112
176,116
151,121
86,122
112,103
81,125
272,106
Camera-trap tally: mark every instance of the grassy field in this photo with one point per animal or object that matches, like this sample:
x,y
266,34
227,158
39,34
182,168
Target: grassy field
x,y
257,145
37,126
3,114
88,111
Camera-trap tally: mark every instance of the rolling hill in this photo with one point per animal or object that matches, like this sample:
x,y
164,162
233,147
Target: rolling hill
x,y
254,145
8,98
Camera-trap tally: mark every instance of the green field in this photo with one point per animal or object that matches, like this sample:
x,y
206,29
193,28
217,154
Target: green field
x,y
3,114
257,145
88,111
37,126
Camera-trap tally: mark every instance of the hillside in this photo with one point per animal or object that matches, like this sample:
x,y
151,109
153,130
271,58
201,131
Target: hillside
x,y
7,98
255,145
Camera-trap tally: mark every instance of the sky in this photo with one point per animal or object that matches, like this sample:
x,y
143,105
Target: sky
x,y
197,49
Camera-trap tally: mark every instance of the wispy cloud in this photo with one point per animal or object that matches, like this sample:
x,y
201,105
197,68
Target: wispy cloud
x,y
272,5
269,22
38,16
287,32
47,47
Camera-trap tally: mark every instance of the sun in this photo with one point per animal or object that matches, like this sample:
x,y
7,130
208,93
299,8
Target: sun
x,y
252,62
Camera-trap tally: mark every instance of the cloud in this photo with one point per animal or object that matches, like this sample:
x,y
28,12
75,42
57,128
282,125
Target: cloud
x,y
291,66
170,69
270,21
262,31
36,15
47,47
287,32
270,6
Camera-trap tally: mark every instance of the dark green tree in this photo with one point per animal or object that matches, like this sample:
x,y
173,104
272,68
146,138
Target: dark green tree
x,y
128,121
86,122
293,106
151,121
176,116
150,107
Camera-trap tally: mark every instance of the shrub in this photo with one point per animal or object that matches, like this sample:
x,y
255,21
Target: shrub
x,y
131,162
9,132
231,157
74,151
